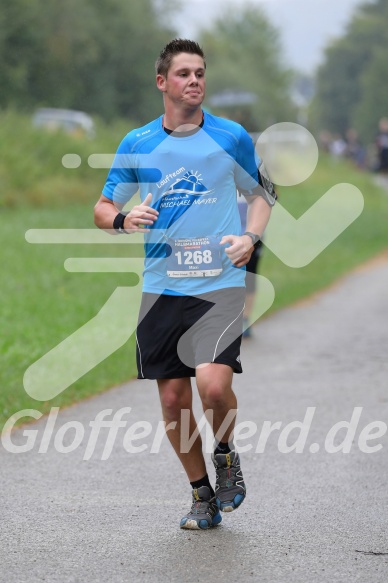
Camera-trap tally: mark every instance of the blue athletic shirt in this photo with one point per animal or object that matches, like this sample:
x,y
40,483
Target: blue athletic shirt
x,y
193,181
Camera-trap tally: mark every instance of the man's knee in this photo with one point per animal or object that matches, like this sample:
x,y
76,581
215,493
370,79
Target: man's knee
x,y
174,397
213,393
214,385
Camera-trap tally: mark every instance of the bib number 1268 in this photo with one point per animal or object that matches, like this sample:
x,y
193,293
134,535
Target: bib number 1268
x,y
194,257
199,257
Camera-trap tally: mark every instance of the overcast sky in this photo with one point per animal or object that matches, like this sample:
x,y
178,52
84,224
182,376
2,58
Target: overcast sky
x,y
306,26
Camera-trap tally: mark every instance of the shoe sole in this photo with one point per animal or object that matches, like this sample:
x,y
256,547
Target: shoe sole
x,y
193,524
228,508
230,505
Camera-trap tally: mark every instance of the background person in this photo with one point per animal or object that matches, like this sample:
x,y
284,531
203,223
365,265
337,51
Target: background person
x,y
252,267
382,146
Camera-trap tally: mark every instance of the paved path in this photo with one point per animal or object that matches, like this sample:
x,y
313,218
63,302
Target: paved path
x,y
309,517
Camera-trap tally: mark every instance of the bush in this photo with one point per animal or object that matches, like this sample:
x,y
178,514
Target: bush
x,y
31,169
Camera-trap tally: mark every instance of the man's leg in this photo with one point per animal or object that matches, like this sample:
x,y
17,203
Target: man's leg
x,y
219,402
214,382
175,396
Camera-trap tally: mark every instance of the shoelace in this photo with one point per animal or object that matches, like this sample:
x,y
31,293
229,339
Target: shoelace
x,y
201,506
226,476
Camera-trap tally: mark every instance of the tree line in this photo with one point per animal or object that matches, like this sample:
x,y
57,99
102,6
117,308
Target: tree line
x,y
352,83
94,55
99,55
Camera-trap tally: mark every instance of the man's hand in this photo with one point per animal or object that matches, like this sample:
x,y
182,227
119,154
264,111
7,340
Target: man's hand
x,y
140,216
240,249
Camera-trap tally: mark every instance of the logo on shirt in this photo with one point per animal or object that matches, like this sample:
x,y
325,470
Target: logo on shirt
x,y
190,184
143,133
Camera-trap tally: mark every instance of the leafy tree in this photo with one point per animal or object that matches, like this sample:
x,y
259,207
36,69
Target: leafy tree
x,y
244,54
125,61
96,55
351,83
20,42
373,104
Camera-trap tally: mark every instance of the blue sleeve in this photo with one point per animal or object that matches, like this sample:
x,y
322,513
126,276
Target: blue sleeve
x,y
252,173
247,162
122,181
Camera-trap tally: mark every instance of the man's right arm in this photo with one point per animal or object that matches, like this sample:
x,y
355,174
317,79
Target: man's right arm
x,y
106,211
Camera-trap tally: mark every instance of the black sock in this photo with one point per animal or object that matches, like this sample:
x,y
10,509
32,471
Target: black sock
x,y
222,447
203,482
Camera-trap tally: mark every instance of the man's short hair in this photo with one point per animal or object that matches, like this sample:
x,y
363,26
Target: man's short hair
x,y
175,47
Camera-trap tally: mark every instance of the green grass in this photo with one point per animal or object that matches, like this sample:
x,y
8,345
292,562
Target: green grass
x,y
42,303
363,239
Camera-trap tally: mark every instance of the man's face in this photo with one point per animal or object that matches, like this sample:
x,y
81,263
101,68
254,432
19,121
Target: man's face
x,y
185,81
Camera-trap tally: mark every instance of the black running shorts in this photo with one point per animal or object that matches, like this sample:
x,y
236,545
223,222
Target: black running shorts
x,y
177,333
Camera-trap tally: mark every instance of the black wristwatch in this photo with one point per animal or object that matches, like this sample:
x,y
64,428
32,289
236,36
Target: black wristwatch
x,y
256,242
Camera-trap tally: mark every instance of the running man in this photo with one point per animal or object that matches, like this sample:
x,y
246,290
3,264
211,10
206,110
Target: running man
x,y
187,165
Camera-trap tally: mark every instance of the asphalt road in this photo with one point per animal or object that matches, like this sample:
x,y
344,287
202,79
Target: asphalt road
x,y
314,516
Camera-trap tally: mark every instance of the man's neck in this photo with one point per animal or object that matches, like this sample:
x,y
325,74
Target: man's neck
x,y
182,121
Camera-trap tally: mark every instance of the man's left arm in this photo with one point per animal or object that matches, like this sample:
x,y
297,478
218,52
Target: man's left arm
x,y
255,185
241,247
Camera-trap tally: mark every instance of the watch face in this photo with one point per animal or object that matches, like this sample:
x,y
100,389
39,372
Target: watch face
x,y
255,238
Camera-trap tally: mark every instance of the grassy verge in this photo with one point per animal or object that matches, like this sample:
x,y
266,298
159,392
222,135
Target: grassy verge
x,y
362,240
42,303
31,168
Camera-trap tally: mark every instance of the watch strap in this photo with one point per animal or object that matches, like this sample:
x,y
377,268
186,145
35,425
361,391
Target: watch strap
x,y
118,223
256,242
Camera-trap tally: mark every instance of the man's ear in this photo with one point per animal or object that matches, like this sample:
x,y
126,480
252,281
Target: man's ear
x,y
161,82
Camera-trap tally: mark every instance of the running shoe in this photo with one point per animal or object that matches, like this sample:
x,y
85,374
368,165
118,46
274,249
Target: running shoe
x,y
230,489
204,511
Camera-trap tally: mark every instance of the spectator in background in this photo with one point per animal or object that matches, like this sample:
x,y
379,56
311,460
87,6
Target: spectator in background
x,y
354,149
252,266
338,146
325,140
382,146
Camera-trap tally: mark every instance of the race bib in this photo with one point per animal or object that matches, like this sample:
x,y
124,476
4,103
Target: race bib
x,y
194,257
